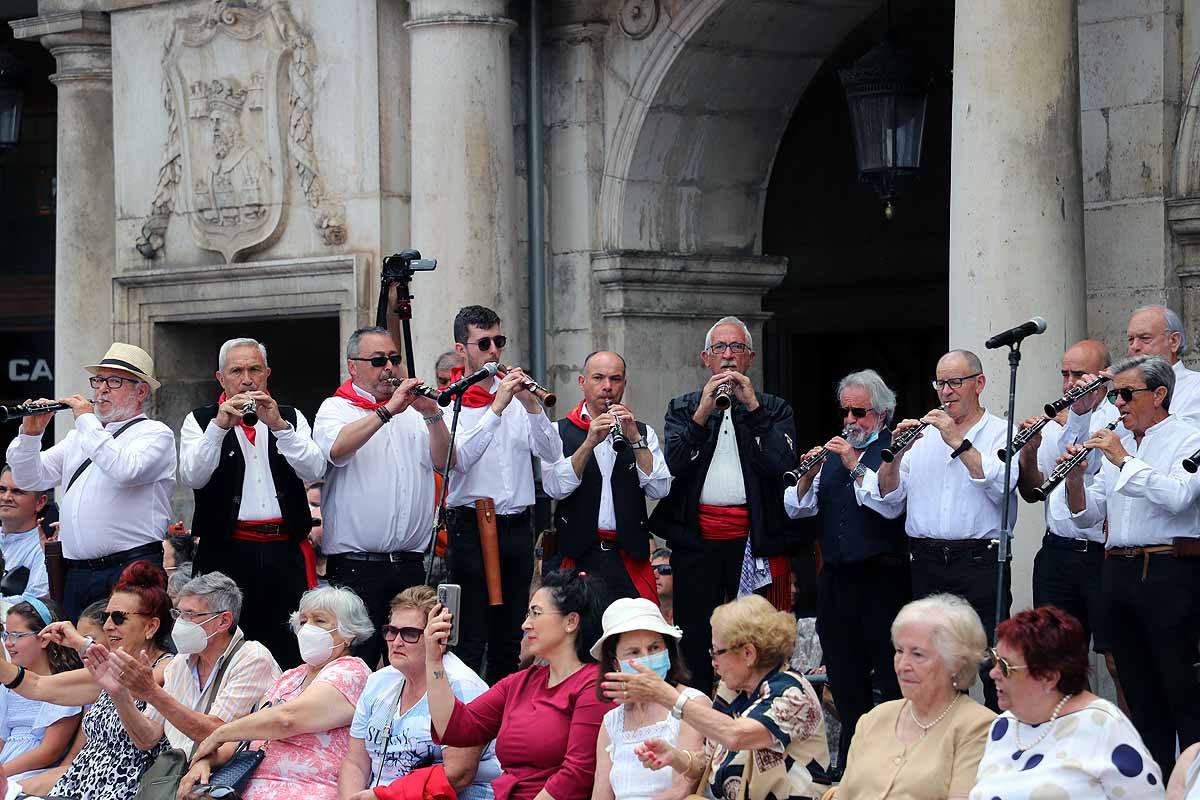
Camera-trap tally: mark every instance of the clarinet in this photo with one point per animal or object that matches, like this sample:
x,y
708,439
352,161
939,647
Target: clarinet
x,y
615,437
792,477
1071,396
30,410
250,413
1060,472
1022,438
905,439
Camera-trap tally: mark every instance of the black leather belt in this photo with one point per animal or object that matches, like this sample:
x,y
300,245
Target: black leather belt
x,y
1056,542
953,544
402,557
117,559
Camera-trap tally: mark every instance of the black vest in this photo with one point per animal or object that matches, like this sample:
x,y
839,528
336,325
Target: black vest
x,y
576,517
849,532
218,501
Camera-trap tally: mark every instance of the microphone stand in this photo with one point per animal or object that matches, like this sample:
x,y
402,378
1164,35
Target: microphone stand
x,y
439,516
1014,361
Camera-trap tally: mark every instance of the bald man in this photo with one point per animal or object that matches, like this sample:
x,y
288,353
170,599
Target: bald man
x,y
1158,331
601,483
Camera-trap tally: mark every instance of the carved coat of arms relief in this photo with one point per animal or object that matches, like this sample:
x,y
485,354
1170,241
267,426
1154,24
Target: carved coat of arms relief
x,y
237,89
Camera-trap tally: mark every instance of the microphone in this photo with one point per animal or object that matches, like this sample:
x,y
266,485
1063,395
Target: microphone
x,y
1014,335
488,370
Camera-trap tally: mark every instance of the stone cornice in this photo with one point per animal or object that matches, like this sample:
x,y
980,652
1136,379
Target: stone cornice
x,y
462,19
94,24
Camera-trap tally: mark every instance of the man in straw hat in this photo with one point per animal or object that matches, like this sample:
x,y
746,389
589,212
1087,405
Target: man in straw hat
x,y
116,473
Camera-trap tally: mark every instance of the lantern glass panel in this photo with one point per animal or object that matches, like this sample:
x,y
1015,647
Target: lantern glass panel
x,y
10,117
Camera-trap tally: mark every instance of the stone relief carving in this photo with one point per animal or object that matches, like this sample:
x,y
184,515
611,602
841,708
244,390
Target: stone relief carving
x,y
230,139
1185,179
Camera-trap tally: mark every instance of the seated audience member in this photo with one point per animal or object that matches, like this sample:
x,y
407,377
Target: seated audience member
x,y
1185,779
927,745
545,719
109,765
35,734
1053,731
763,712
394,702
20,543
636,632
177,580
664,582
305,716
178,549
205,636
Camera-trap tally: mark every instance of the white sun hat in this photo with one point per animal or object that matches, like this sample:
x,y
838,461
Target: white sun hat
x,y
633,614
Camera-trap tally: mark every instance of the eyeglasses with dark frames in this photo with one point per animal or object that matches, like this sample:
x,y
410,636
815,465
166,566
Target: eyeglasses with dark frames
x,y
953,383
1125,393
121,617
485,342
407,634
717,348
111,381
858,413
381,361
663,569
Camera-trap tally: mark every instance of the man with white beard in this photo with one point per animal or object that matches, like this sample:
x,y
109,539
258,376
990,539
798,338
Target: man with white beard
x,y
115,474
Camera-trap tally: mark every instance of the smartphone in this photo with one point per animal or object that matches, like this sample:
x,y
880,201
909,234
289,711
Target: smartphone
x,y
449,595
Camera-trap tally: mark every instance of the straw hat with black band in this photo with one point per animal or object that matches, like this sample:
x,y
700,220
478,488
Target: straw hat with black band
x,y
129,358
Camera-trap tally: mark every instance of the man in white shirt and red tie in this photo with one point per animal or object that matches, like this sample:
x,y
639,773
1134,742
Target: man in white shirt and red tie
x,y
115,473
600,516
950,482
383,443
252,515
1151,575
496,440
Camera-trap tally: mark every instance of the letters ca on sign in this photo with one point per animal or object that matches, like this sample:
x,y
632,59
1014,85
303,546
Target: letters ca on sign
x,y
24,370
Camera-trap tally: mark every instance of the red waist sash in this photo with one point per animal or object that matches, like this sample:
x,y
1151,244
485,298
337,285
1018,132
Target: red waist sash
x,y
245,530
723,523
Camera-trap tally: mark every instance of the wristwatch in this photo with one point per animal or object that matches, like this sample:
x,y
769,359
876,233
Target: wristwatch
x,y
1124,460
640,444
859,470
87,642
962,448
685,694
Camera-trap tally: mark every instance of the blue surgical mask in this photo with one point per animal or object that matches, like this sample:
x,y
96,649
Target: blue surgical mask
x,y
660,662
867,443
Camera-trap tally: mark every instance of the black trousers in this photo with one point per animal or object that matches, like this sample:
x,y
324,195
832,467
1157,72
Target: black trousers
x,y
1066,574
376,582
87,584
969,570
705,577
603,560
494,630
271,577
856,604
1153,610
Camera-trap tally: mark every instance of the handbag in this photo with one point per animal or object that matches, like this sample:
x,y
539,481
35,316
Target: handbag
x,y
161,780
231,777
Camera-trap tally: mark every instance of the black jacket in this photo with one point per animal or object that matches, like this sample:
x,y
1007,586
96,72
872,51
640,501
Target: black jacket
x,y
766,445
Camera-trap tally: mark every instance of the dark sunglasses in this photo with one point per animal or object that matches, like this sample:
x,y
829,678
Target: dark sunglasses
x,y
486,342
1006,669
317,522
1125,393
380,361
409,635
121,617
662,569
858,413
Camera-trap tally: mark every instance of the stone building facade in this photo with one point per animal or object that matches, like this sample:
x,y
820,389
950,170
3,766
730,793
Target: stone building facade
x,y
223,163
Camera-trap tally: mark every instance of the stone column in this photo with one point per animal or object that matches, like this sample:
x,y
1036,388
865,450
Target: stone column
x,y
1016,206
85,232
462,169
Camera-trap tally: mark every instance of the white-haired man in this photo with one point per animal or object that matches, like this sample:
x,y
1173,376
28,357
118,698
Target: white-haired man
x,y
864,578
724,517
1158,331
116,471
252,515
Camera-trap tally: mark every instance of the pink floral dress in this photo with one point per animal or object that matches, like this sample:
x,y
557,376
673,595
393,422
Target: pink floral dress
x,y
305,767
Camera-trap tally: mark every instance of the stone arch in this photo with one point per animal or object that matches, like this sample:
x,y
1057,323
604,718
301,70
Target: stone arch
x,y
693,145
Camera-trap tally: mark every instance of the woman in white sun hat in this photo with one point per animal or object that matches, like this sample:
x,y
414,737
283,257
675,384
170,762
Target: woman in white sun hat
x,y
635,632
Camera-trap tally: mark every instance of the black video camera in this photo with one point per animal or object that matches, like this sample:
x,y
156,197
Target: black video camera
x,y
399,268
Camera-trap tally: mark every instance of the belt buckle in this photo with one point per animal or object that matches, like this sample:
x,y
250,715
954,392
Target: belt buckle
x,y
1083,545
606,546
393,558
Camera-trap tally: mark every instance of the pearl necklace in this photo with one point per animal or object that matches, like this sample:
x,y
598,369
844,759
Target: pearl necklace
x,y
925,727
1045,733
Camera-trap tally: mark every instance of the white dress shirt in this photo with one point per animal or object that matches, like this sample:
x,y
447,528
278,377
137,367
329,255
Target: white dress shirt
x,y
25,550
492,455
1152,499
1185,397
943,501
380,498
559,479
121,501
1055,439
724,484
200,453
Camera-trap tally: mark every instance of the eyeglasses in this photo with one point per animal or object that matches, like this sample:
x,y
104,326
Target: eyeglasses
x,y
662,569
953,383
410,635
858,413
317,522
485,343
716,348
1125,393
121,617
191,616
380,361
111,381
14,636
714,653
1006,669
534,613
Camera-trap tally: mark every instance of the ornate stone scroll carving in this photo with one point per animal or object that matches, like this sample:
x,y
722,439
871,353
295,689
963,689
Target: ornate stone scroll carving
x,y
230,138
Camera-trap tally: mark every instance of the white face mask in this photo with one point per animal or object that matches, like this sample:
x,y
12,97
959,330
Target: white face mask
x,y
189,638
316,644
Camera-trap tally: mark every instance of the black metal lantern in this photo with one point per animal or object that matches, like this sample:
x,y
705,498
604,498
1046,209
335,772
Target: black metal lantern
x,y
12,98
887,113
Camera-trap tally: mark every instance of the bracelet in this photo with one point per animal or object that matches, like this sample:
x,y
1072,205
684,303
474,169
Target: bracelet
x,y
436,418
87,642
640,444
691,760
681,701
17,680
383,414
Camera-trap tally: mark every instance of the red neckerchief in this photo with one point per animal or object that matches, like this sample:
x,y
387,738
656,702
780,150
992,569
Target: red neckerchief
x,y
475,396
576,418
246,429
346,392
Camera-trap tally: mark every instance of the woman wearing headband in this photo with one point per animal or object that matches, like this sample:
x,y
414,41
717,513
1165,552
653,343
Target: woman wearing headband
x,y
35,733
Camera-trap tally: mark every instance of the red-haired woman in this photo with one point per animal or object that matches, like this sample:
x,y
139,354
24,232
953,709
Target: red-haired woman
x,y
1054,732
110,765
